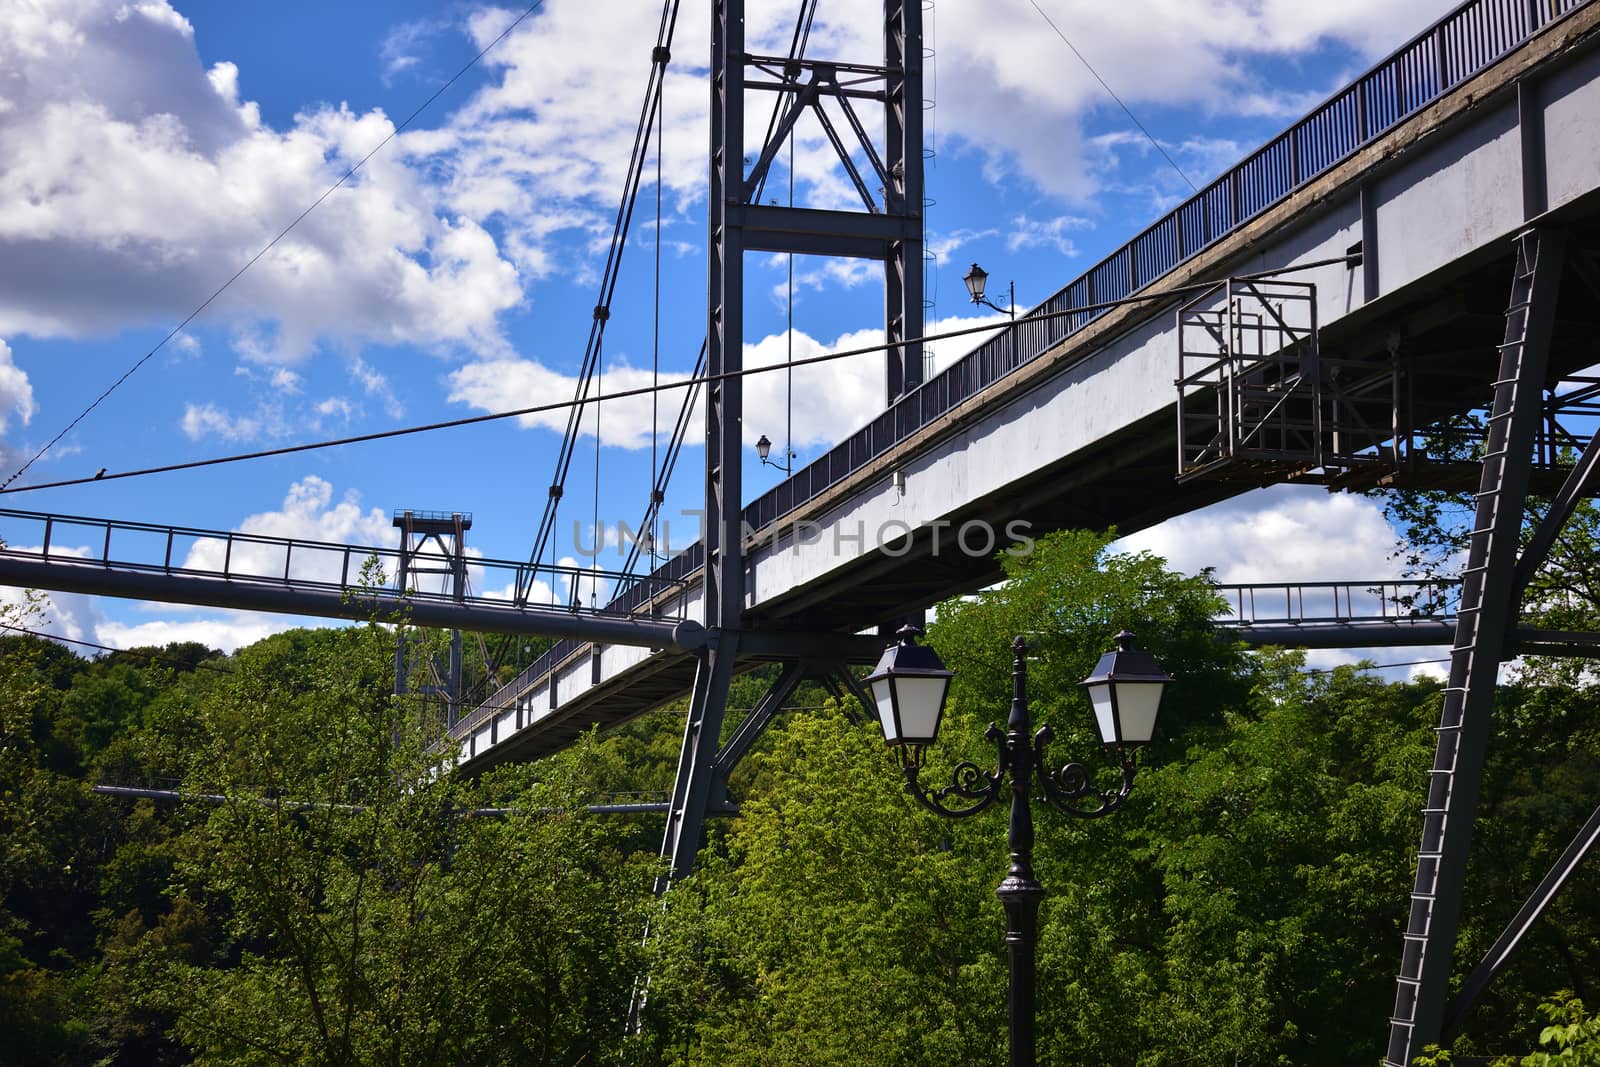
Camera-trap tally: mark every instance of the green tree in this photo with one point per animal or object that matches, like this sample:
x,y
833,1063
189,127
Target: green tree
x,y
343,904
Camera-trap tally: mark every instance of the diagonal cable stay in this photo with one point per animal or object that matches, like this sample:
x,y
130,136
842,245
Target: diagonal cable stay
x,y
1113,94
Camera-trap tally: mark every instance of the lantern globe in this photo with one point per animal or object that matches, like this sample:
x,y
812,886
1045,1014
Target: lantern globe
x,y
909,687
1125,690
976,278
763,447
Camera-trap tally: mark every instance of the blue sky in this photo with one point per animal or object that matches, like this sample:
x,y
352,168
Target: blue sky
x,y
148,149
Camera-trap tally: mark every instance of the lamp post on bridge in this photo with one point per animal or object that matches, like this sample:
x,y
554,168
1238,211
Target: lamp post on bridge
x,y
909,687
764,453
977,280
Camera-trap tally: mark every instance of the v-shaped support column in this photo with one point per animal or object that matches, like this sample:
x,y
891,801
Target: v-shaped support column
x,y
1489,603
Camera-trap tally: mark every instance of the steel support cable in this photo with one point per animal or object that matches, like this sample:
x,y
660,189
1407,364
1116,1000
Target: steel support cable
x,y
797,50
669,462
153,657
270,245
797,45
655,334
691,383
659,59
1113,94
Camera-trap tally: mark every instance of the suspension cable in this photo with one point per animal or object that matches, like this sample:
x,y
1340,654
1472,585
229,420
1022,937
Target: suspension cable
x,y
660,56
797,47
655,333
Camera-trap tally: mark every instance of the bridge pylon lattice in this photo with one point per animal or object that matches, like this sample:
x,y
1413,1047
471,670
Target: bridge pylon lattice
x,y
432,543
888,229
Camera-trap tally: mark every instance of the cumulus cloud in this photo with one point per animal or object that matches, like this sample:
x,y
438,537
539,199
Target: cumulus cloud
x,y
16,391
829,400
1164,52
225,630
1289,534
16,401
138,181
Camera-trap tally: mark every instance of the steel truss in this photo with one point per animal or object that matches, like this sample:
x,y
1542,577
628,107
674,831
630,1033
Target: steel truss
x,y
1257,396
1260,399
889,229
447,533
1492,585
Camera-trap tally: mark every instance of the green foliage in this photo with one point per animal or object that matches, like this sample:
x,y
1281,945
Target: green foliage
x,y
1571,1038
343,904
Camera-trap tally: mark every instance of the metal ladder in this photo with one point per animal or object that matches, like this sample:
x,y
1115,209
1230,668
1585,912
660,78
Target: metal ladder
x,y
1486,610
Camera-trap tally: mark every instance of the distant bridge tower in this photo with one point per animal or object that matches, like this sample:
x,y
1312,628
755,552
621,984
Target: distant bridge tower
x,y
446,533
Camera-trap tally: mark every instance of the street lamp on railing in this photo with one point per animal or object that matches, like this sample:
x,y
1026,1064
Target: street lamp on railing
x,y
909,687
764,452
977,280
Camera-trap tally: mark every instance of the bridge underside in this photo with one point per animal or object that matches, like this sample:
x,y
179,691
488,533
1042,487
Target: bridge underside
x,y
1446,332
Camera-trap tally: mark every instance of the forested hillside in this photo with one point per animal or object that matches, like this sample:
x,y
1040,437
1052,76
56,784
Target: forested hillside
x,y
321,894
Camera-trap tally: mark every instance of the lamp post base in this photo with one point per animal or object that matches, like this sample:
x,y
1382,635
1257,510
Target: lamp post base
x,y
1021,896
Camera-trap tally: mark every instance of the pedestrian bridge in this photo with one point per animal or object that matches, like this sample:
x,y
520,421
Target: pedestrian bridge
x,y
1369,249
1301,318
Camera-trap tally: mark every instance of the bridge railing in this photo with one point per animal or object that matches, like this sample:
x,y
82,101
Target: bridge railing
x,y
1463,43
1313,603
1460,45
231,556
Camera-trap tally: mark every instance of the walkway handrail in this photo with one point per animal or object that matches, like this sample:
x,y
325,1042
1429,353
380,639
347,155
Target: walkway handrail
x,y
301,563
1462,44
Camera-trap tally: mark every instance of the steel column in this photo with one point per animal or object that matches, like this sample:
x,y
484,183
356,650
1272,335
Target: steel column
x,y
755,724
903,196
724,567
1526,916
1487,607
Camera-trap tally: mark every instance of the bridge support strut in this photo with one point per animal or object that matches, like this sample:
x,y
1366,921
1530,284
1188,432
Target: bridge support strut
x,y
448,533
1488,608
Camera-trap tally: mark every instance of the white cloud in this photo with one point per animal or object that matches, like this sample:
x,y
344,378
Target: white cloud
x,y
131,168
1281,534
227,631
208,420
406,46
829,401
309,513
943,245
376,385
1289,534
1161,52
1029,232
16,391
140,175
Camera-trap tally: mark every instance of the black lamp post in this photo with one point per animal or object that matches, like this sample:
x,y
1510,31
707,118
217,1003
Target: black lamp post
x,y
977,279
909,686
764,452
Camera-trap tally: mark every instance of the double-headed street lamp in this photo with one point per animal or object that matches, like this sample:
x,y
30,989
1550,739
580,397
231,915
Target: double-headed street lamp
x,y
909,687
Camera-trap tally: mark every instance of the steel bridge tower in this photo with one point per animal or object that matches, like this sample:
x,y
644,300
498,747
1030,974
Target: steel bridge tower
x,y
888,228
446,532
